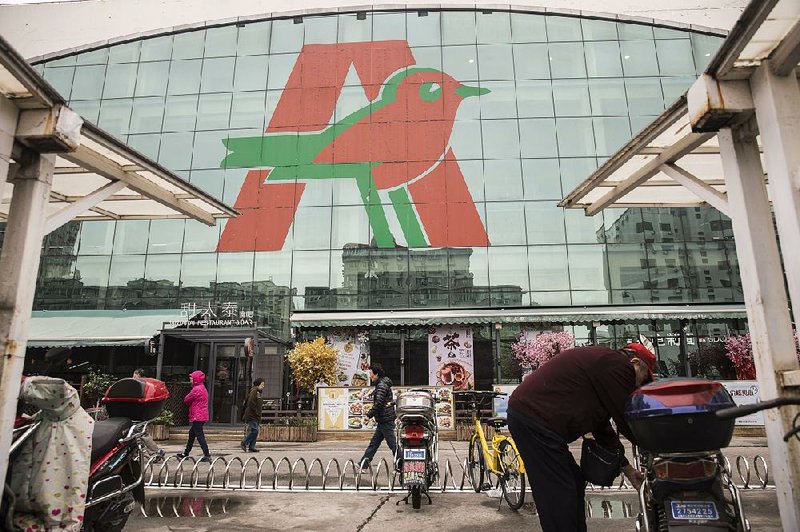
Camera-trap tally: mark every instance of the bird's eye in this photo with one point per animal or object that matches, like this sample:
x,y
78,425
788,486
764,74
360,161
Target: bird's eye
x,y
430,92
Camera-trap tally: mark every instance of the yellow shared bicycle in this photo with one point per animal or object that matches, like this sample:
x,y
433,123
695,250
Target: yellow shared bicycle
x,y
500,456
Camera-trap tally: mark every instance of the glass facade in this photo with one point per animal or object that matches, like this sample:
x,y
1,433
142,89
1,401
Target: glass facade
x,y
389,160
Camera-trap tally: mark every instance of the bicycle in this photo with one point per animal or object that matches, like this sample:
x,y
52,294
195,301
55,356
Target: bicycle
x,y
502,457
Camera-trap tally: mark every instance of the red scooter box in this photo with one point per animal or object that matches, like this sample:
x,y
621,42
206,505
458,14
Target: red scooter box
x,y
138,399
679,415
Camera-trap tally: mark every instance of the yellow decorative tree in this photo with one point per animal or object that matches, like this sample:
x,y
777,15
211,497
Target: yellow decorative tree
x,y
311,361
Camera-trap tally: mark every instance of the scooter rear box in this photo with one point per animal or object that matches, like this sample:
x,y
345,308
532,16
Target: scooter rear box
x,y
679,415
416,402
138,399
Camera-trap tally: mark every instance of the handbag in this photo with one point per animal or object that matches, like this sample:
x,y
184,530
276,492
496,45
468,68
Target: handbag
x,y
599,465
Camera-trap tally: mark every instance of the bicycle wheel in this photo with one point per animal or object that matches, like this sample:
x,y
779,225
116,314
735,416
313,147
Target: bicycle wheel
x,y
512,481
476,463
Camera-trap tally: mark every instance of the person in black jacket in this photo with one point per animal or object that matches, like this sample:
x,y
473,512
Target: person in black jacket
x,y
252,416
383,412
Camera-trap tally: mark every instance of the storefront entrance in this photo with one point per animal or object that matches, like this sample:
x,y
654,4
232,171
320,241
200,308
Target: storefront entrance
x,y
229,375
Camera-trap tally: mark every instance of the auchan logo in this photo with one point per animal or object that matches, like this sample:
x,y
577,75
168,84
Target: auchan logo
x,y
397,146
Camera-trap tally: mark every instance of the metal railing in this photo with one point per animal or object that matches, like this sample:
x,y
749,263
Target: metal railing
x,y
267,474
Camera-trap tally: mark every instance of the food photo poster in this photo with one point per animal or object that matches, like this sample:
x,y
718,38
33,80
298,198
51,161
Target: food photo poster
x,y
450,357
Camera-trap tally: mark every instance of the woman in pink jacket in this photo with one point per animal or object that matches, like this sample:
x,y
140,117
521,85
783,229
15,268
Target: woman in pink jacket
x,y
197,401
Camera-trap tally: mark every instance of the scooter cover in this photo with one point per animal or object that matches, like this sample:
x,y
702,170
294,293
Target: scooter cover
x,y
51,473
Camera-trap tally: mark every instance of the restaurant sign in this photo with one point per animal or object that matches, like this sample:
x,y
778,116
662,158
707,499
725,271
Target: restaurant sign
x,y
214,314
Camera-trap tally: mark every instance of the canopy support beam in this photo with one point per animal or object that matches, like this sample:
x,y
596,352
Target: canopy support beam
x,y
8,127
19,265
676,151
84,204
97,163
707,193
765,298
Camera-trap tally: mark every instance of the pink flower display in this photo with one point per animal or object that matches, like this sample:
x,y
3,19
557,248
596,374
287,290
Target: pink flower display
x,y
740,352
531,354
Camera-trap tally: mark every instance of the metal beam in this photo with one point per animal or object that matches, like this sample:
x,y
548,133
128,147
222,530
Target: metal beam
x,y
84,204
113,171
19,265
673,153
767,306
712,196
785,57
739,37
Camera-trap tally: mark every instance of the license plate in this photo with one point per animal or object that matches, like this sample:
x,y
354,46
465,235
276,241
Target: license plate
x,y
413,466
413,454
415,401
694,510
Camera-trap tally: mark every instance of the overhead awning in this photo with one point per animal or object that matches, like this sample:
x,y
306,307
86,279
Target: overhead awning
x,y
675,161
96,176
422,317
86,328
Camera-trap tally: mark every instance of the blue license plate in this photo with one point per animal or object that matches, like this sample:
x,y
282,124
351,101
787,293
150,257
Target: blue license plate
x,y
694,510
414,454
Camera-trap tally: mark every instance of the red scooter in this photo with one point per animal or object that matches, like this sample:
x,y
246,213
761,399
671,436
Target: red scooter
x,y
117,461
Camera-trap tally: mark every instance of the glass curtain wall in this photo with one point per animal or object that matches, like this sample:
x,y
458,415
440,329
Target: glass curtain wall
x,y
467,128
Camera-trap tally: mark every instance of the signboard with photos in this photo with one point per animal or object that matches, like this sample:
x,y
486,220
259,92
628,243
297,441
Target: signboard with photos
x,y
352,360
450,357
345,408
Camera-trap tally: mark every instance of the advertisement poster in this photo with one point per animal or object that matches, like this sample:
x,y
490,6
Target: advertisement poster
x,y
450,359
745,393
352,360
341,408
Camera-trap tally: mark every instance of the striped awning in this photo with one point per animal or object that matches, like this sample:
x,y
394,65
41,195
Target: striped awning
x,y
422,317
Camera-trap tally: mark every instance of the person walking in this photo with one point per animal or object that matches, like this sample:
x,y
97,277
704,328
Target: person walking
x,y
576,393
383,412
252,415
197,401
147,440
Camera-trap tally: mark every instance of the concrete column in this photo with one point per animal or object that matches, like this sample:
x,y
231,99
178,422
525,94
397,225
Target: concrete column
x,y
8,126
767,305
19,265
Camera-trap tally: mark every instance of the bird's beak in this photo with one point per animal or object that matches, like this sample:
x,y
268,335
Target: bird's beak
x,y
465,91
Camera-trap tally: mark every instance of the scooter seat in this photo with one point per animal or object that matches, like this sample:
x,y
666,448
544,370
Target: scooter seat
x,y
106,435
496,422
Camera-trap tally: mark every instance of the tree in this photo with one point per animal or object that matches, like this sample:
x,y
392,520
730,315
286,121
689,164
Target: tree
x,y
312,361
531,354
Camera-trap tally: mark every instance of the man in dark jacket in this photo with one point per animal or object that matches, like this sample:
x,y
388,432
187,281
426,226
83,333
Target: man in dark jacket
x,y
576,393
383,412
252,415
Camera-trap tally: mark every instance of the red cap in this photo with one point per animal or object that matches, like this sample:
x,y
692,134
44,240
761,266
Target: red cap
x,y
645,355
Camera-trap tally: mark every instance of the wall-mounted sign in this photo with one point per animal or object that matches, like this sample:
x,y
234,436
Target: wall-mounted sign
x,y
450,357
352,360
746,393
341,408
214,314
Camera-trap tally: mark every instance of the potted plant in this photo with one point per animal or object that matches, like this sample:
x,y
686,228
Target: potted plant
x,y
290,428
159,427
94,387
312,362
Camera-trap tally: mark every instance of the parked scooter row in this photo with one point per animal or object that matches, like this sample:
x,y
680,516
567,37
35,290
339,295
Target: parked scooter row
x,y
59,432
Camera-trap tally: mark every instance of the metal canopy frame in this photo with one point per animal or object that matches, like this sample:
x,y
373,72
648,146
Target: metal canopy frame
x,y
54,168
738,124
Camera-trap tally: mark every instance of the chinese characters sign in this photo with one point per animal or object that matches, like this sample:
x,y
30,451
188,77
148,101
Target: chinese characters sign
x,y
213,314
450,357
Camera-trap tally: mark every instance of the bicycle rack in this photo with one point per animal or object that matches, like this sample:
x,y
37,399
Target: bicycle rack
x,y
268,475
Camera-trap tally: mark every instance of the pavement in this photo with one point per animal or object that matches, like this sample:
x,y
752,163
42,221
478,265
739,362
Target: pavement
x,y
237,510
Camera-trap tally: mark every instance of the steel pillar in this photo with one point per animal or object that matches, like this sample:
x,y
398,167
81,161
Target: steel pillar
x,y
767,305
19,265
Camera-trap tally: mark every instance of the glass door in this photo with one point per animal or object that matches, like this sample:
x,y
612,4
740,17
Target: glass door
x,y
229,376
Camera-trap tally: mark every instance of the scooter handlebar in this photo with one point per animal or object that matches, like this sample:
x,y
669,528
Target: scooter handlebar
x,y
741,411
